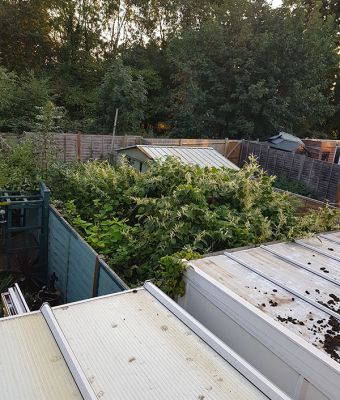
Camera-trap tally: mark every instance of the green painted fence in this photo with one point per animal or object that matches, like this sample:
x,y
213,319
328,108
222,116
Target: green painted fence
x,y
80,271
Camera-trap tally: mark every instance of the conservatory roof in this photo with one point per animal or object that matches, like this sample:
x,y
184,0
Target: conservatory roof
x,y
296,284
31,364
136,344
201,156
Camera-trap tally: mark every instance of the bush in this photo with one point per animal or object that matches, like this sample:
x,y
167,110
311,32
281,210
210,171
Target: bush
x,y
144,224
292,186
140,222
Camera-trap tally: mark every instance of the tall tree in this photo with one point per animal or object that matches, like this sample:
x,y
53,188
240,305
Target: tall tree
x,y
123,89
253,70
25,35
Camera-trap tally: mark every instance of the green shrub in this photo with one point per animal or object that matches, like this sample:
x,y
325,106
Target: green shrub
x,y
139,222
292,186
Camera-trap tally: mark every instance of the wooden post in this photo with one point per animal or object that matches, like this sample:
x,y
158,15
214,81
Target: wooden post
x,y
303,159
114,131
125,141
65,149
337,197
226,142
291,166
78,146
96,277
329,181
267,158
310,171
275,163
260,152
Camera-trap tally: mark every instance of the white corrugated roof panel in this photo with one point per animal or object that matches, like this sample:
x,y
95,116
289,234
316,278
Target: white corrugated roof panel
x,y
294,284
131,347
31,365
201,156
278,306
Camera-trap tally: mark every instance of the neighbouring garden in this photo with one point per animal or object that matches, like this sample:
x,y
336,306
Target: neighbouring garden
x,y
145,223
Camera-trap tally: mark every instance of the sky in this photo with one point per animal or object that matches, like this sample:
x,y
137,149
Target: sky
x,y
276,3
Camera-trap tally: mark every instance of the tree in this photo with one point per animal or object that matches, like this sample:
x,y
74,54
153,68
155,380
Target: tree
x,y
19,98
25,29
49,119
253,70
123,89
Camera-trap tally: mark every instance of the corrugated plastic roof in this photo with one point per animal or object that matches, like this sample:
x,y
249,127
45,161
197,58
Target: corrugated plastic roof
x,y
137,349
201,156
31,365
297,284
136,344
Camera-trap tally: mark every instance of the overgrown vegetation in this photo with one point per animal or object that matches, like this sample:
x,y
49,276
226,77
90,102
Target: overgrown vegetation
x,y
293,186
145,223
232,68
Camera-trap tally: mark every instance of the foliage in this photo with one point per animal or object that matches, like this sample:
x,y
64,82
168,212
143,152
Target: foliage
x,y
255,78
49,119
292,186
200,67
125,90
30,161
171,270
20,95
18,168
142,222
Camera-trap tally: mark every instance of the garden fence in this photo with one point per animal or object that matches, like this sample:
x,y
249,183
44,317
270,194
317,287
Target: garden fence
x,y
81,272
321,177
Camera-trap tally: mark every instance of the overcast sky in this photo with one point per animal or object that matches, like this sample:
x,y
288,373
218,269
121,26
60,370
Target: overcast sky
x,y
276,3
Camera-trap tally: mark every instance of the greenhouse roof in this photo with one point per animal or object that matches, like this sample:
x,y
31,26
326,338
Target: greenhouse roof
x,y
201,156
136,344
296,284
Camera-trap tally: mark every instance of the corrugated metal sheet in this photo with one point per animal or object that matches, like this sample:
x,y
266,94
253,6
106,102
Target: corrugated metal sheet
x,y
137,349
296,285
31,365
201,156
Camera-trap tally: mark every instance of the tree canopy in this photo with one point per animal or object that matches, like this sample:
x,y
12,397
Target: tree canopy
x,y
236,68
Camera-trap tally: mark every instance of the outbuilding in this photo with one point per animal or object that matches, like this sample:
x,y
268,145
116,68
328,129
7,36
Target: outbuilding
x,y
140,155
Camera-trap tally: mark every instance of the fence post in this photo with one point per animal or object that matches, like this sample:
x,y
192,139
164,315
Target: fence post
x,y
301,167
226,142
45,194
78,146
65,148
329,181
291,166
96,277
310,171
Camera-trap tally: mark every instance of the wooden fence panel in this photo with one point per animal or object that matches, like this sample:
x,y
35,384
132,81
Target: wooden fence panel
x,y
321,177
78,147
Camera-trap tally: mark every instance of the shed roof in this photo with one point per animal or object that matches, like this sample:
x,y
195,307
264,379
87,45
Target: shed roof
x,y
201,156
136,344
285,141
296,284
